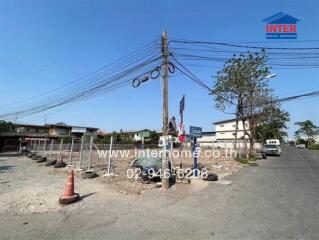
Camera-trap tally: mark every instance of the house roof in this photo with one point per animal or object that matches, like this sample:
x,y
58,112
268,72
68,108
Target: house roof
x,y
281,18
230,120
225,121
62,124
136,131
101,132
29,125
144,130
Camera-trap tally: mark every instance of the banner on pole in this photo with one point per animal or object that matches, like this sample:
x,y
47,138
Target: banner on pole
x,y
182,105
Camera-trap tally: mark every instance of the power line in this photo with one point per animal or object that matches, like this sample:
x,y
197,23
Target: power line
x,y
98,82
240,46
190,74
286,99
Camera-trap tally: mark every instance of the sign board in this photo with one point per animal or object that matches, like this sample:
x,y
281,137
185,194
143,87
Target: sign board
x,y
181,133
181,138
195,132
78,130
182,105
181,129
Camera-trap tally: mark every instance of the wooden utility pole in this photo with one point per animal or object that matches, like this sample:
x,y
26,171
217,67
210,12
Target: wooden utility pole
x,y
165,180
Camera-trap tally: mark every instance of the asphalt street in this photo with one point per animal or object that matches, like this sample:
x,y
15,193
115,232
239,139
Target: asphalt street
x,y
279,199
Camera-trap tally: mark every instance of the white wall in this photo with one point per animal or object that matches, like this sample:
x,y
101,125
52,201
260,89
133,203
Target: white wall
x,y
206,140
227,130
230,126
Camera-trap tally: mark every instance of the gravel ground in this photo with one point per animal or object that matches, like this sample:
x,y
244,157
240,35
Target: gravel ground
x,y
29,187
121,183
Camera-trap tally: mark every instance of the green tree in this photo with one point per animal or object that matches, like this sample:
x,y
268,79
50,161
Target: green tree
x,y
272,123
307,130
154,137
6,126
239,86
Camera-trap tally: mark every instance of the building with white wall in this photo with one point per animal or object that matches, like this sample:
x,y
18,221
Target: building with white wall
x,y
207,139
225,130
225,133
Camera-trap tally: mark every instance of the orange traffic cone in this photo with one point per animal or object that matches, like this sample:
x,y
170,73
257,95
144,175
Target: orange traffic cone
x,y
69,196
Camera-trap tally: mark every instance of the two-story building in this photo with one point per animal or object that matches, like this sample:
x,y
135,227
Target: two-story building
x,y
63,130
207,139
226,129
28,132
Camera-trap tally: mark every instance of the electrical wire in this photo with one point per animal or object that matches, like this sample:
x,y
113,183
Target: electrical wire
x,y
100,73
190,74
238,46
98,82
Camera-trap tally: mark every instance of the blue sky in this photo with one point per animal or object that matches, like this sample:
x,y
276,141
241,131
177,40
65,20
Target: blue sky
x,y
45,44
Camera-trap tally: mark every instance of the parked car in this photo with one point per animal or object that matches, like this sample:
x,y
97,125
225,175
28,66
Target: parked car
x,y
271,149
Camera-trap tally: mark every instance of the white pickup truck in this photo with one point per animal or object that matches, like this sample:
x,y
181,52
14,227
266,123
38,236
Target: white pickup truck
x,y
272,147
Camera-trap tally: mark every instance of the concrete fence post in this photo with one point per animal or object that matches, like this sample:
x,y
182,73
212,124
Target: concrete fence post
x,y
45,145
90,154
81,153
110,153
60,149
38,149
33,145
50,153
71,151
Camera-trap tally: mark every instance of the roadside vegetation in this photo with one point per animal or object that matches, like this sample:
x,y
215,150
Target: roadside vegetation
x,y
6,126
128,138
241,89
306,134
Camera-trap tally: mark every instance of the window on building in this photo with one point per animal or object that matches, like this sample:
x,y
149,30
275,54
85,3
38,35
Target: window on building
x,y
222,125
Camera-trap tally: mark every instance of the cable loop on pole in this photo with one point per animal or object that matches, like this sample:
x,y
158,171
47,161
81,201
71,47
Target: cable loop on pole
x,y
157,71
142,79
171,67
136,83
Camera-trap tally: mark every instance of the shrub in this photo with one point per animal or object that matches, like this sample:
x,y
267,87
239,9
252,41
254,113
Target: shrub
x,y
313,146
243,160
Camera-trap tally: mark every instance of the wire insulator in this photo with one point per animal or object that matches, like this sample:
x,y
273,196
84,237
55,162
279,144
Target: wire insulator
x,y
144,79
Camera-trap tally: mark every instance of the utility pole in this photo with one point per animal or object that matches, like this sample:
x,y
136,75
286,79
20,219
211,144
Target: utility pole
x,y
236,126
165,180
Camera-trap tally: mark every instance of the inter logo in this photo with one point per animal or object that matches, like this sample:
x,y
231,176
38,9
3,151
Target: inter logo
x,y
281,26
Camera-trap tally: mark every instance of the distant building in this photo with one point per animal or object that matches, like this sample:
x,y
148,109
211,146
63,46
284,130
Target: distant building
x,y
225,130
142,135
64,130
225,134
27,132
207,139
101,133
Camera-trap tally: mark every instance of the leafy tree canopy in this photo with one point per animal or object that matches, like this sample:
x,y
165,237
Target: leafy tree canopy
x,y
6,126
307,129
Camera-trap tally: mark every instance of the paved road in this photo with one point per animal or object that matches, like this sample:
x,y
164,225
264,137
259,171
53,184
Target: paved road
x,y
277,200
